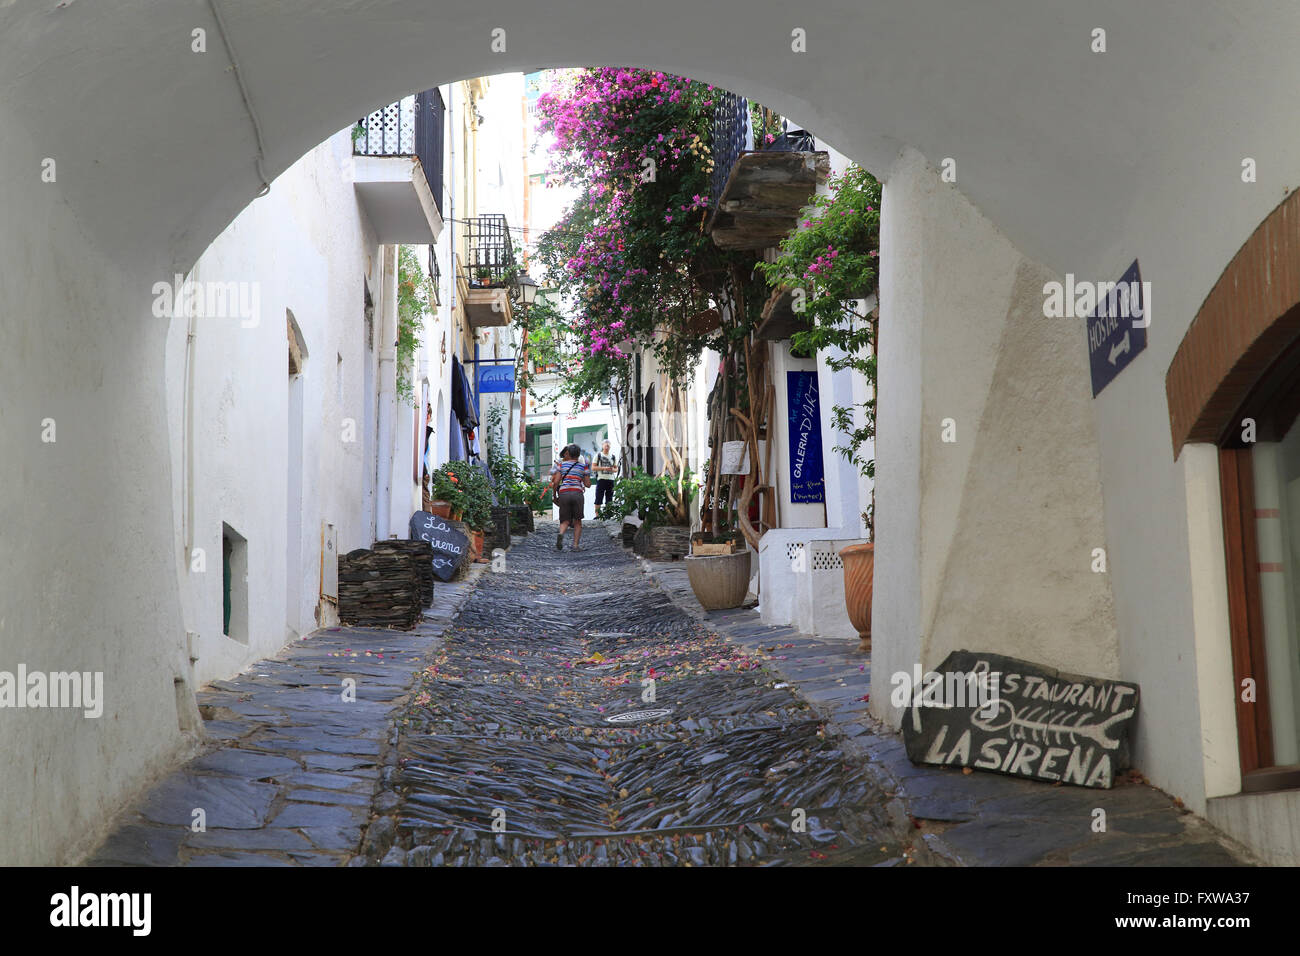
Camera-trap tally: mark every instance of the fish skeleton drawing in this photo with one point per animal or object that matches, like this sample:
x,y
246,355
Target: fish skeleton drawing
x,y
1039,721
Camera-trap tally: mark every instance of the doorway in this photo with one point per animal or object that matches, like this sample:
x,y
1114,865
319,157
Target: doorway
x,y
293,484
1259,470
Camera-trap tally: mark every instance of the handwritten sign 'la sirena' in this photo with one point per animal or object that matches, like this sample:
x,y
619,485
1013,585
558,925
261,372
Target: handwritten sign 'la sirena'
x,y
449,545
1009,716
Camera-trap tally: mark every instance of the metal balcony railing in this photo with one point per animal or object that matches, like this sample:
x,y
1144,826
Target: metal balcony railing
x,y
730,137
413,126
491,254
733,136
435,275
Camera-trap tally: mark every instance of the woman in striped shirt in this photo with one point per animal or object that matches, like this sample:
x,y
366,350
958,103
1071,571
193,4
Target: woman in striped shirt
x,y
569,480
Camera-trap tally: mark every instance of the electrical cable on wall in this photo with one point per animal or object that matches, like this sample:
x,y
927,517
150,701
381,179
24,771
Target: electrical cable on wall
x,y
243,92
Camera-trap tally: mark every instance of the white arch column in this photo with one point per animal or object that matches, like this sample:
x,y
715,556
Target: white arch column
x,y
984,542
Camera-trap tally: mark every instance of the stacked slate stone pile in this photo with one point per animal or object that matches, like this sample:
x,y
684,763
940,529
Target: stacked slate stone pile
x,y
522,520
662,542
497,534
421,554
379,589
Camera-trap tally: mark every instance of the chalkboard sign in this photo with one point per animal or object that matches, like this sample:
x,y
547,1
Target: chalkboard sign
x,y
449,545
1009,716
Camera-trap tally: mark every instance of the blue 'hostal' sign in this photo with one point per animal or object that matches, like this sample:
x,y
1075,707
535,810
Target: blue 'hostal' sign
x,y
806,485
1117,328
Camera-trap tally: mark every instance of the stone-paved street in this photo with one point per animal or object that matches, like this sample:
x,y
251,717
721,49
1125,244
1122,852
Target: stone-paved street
x,y
510,728
532,739
290,770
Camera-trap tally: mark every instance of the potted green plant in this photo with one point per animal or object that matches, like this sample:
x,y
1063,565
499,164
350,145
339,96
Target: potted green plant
x,y
723,539
448,499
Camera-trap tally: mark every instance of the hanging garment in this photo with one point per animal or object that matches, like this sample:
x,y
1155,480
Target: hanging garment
x,y
456,450
457,390
462,396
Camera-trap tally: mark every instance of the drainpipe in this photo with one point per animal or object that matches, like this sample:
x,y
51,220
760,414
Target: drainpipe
x,y
451,219
387,394
191,649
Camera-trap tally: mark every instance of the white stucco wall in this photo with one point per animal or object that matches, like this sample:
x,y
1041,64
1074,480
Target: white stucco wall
x,y
963,338
309,249
89,577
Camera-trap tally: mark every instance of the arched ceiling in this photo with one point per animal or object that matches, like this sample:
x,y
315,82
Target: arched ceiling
x,y
1073,154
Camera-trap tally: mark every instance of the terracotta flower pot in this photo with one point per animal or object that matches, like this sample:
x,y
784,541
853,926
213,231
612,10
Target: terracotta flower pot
x,y
720,581
859,564
440,508
476,544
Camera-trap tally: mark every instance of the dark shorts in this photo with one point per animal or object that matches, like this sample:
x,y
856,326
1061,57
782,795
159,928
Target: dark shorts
x,y
571,505
604,491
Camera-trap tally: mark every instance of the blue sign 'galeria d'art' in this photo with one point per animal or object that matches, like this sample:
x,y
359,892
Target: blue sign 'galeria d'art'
x,y
806,484
496,378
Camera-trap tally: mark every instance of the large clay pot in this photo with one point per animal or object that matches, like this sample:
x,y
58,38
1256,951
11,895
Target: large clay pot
x,y
859,563
719,581
440,508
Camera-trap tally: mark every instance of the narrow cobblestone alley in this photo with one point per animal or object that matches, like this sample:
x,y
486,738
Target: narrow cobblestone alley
x,y
569,708
576,715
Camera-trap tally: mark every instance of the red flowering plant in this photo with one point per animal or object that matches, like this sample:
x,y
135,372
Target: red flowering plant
x,y
631,257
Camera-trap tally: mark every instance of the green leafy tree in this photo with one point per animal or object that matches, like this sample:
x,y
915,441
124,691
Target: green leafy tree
x,y
414,299
829,266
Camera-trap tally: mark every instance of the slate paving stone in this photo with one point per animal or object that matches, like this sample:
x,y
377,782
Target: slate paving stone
x,y
1007,841
317,859
237,859
1111,853
140,846
312,815
226,802
266,839
331,781
333,839
226,729
246,764
331,797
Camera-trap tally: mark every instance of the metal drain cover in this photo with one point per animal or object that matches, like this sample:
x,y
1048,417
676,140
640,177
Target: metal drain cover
x,y
637,716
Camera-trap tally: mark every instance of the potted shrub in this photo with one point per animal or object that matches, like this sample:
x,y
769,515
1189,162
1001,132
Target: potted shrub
x,y
724,539
448,498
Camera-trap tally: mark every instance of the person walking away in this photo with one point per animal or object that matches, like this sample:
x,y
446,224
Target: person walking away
x,y
606,466
569,479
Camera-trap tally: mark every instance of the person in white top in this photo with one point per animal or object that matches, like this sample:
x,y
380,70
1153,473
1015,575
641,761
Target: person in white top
x,y
606,467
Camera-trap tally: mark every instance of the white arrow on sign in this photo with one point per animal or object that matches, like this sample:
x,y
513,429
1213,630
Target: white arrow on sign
x,y
1121,346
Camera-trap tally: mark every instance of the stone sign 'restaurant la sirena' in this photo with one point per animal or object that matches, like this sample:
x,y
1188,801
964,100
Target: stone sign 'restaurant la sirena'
x,y
1010,716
